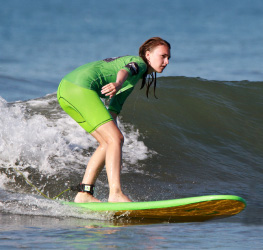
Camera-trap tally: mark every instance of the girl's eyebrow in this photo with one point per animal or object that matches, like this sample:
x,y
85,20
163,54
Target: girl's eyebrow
x,y
169,56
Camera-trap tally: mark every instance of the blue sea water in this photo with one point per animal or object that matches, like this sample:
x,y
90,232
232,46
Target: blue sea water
x,y
202,136
41,41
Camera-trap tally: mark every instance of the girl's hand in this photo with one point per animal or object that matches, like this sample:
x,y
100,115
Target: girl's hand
x,y
110,89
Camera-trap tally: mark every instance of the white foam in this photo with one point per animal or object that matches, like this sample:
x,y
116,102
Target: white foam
x,y
3,180
26,141
50,145
25,204
134,150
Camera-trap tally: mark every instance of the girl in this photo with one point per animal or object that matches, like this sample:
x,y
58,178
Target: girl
x,y
79,95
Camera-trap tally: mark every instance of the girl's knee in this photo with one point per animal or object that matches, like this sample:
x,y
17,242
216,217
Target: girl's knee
x,y
110,134
116,139
103,145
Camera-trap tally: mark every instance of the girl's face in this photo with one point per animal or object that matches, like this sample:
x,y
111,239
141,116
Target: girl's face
x,y
158,58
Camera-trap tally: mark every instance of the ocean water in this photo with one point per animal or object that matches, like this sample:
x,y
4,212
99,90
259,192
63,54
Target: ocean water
x,y
202,136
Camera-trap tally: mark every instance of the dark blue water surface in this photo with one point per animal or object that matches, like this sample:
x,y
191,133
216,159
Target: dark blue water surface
x,y
41,41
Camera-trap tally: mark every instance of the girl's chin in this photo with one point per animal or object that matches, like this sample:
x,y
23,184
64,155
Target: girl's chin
x,y
159,70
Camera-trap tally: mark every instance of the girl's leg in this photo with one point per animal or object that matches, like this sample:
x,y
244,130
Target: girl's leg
x,y
110,149
86,108
114,140
94,167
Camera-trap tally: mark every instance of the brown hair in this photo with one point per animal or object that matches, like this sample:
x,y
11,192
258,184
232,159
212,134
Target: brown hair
x,y
148,46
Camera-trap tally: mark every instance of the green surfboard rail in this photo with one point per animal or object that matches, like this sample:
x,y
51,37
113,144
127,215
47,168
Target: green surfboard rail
x,y
121,206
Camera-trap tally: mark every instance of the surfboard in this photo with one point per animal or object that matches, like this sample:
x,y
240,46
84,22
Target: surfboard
x,y
193,209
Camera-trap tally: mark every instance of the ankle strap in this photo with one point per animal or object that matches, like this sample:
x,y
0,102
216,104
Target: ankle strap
x,y
84,188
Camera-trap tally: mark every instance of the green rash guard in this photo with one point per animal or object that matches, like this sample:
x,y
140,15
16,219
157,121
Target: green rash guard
x,y
95,75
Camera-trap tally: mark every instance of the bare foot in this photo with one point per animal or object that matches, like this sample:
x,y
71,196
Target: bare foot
x,y
83,197
118,198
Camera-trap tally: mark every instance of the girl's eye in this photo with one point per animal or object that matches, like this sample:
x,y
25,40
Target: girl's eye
x,y
166,56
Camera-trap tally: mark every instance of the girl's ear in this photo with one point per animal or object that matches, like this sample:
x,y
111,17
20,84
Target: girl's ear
x,y
147,55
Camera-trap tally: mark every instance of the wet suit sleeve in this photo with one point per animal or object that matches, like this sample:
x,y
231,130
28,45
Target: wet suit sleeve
x,y
117,101
135,69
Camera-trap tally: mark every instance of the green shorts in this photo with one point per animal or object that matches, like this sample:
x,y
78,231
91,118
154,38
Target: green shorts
x,y
83,105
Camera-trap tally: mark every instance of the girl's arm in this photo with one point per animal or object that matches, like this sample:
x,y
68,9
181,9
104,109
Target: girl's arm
x,y
112,88
114,116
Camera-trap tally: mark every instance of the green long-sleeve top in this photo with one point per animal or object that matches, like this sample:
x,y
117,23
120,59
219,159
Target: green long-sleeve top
x,y
95,75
